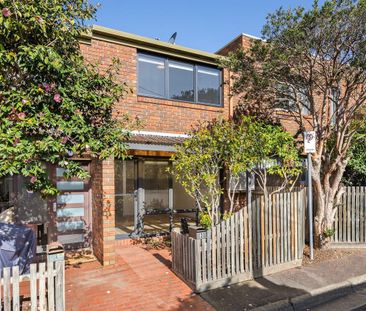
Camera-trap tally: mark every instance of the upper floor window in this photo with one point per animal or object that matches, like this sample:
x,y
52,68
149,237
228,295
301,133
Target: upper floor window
x,y
177,80
286,99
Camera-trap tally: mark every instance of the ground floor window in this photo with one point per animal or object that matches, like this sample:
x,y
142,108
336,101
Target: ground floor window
x,y
148,199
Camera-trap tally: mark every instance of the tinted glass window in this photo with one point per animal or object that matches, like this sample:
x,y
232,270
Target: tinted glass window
x,y
181,81
151,75
167,78
208,85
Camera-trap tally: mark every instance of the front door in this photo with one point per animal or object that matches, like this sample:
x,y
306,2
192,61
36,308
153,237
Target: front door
x,y
71,211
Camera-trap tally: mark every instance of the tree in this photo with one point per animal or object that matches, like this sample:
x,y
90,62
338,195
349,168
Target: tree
x,y
53,106
200,161
218,153
355,173
313,64
275,154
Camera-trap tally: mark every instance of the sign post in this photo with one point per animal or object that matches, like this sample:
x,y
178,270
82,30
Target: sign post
x,y
309,148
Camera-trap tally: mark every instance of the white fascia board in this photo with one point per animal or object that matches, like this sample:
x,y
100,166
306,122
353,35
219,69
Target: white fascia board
x,y
162,134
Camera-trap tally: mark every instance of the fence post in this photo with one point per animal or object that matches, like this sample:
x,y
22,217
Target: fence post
x,y
50,286
15,276
6,285
33,286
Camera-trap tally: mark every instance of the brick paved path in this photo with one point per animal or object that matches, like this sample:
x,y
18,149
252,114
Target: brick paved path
x,y
141,280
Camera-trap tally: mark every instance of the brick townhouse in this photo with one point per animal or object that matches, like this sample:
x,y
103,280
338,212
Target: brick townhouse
x,y
172,88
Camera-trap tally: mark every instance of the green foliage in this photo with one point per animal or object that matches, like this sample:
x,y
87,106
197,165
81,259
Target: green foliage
x,y
305,58
329,232
274,152
234,148
205,220
355,173
53,106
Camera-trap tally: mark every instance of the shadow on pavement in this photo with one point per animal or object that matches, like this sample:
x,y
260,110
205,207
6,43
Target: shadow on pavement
x,y
249,295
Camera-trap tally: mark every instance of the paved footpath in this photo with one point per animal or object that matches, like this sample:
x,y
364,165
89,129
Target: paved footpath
x,y
296,289
141,280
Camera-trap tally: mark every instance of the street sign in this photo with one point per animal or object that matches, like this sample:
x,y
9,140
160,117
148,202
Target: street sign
x,y
309,142
309,147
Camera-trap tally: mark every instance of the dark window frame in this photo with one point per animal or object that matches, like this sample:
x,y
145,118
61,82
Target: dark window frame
x,y
166,81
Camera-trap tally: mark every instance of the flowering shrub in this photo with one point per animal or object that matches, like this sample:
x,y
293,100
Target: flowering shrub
x,y
53,105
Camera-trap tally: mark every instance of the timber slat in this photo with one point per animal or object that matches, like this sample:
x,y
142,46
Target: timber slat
x,y
256,239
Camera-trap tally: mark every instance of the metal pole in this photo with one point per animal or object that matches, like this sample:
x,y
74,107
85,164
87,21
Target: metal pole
x,y
310,208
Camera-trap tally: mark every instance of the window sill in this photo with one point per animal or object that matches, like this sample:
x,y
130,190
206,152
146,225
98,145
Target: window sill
x,y
178,103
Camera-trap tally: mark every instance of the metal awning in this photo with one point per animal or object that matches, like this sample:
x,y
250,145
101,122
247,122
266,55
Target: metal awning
x,y
155,141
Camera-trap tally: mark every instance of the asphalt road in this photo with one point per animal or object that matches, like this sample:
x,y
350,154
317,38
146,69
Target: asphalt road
x,y
355,301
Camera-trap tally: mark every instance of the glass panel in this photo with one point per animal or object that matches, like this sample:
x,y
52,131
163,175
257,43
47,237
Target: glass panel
x,y
156,183
208,85
181,81
70,238
70,225
181,199
70,212
70,185
70,198
125,181
151,75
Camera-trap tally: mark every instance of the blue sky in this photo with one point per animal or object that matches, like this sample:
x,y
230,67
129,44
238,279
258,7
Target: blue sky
x,y
201,24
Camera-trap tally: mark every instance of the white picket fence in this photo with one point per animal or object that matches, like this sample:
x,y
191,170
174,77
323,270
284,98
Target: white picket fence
x,y
46,287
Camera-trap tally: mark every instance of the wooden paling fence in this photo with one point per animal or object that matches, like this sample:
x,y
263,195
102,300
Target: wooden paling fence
x,y
46,287
255,241
350,220
278,231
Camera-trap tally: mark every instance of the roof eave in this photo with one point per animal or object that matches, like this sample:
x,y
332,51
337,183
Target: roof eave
x,y
148,44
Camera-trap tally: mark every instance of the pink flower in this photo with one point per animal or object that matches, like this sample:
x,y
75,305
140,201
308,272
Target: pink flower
x,y
21,115
6,12
46,87
57,98
24,101
33,179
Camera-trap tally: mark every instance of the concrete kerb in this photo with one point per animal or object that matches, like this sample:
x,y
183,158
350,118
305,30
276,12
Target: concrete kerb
x,y
318,296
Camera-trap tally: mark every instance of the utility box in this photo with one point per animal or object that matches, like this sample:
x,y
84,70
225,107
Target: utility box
x,y
197,233
55,252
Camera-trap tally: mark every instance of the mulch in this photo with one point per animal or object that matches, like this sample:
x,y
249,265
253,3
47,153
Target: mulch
x,y
325,254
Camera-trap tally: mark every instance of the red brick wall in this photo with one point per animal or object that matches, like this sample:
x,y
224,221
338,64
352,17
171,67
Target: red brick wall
x,y
241,41
156,114
245,42
103,210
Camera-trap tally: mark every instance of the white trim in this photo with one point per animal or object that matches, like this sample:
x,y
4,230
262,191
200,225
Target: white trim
x,y
251,36
159,134
237,37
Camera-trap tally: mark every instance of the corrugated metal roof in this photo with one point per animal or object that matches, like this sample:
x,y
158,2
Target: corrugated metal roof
x,y
156,139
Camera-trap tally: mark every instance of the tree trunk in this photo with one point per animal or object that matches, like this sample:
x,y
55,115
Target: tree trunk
x,y
327,194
